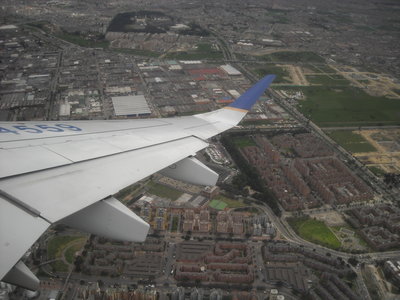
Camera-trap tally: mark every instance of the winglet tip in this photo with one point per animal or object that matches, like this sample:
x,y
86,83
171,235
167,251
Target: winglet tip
x,y
247,100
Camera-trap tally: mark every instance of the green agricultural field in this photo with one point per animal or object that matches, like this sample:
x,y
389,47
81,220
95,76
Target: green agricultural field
x,y
351,141
218,204
280,73
348,106
163,191
244,141
295,57
319,68
315,231
328,80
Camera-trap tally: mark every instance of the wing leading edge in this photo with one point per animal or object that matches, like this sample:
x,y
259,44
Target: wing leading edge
x,y
57,173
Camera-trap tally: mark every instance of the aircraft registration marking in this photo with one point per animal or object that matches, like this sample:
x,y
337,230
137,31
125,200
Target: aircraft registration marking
x,y
40,128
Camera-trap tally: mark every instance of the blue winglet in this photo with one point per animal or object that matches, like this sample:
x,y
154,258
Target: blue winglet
x,y
247,100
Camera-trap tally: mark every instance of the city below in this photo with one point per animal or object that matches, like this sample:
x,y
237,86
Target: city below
x,y
307,203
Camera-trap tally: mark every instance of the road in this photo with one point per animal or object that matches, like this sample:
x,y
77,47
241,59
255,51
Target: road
x,y
288,233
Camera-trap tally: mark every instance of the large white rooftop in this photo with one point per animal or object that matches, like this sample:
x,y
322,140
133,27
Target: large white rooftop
x,y
130,105
230,70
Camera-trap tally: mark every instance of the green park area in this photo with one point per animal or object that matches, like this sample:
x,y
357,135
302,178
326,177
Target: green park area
x,y
202,51
347,106
243,141
163,191
351,141
61,247
314,231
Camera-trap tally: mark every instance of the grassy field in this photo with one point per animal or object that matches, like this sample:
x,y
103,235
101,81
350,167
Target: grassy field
x,y
70,252
231,203
315,231
295,57
377,171
348,106
280,73
218,204
351,141
163,191
57,244
328,80
203,51
82,41
244,141
59,266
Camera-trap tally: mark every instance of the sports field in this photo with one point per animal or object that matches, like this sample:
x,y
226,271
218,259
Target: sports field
x,y
163,191
315,231
351,141
218,204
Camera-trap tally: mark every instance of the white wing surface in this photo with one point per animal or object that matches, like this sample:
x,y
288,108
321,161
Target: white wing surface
x,y
66,171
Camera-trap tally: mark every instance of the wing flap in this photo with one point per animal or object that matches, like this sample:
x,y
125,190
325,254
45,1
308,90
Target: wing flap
x,y
50,193
111,219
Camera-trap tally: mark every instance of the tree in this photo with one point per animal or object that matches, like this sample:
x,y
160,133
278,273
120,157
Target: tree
x,y
353,261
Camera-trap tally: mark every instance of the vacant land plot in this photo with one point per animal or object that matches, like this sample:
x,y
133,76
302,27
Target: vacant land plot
x,y
315,231
218,204
328,106
351,141
163,191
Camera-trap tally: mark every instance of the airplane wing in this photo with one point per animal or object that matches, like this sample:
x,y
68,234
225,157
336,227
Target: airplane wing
x,y
66,171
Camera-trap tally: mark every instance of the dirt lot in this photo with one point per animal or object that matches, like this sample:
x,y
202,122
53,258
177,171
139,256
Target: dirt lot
x,y
331,218
387,142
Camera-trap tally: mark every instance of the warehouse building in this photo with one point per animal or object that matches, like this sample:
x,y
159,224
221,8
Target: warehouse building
x,y
130,106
